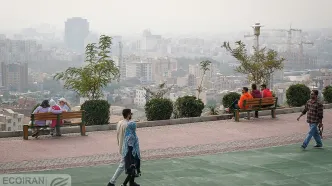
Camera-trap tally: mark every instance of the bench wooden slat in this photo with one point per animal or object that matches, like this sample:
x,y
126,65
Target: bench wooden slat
x,y
44,116
257,101
71,115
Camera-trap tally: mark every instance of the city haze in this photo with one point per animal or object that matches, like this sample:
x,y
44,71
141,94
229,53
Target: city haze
x,y
172,16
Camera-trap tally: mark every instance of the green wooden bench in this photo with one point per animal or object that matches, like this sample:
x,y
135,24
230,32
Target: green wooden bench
x,y
257,104
58,118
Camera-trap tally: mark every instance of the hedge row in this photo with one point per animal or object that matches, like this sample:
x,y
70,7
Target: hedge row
x,y
162,108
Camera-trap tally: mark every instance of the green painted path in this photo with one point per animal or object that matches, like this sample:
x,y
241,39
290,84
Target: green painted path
x,y
287,165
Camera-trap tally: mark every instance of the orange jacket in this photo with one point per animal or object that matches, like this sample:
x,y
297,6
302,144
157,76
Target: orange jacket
x,y
245,96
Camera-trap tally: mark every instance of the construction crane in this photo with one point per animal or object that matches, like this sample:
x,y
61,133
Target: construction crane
x,y
289,35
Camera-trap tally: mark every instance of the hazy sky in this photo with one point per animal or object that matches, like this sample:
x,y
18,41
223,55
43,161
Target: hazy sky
x,y
163,16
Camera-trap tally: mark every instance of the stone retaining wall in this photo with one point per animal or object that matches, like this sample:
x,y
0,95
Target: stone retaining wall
x,y
112,126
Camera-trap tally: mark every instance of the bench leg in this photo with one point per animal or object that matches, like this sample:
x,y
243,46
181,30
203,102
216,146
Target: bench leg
x,y
248,115
82,128
57,130
237,115
25,132
273,113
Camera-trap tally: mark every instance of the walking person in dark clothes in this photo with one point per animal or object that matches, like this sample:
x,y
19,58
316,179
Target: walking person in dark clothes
x,y
314,111
131,154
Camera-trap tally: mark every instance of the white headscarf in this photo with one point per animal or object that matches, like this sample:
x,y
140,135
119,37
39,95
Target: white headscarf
x,y
52,103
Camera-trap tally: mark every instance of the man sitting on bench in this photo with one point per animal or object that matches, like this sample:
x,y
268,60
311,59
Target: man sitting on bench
x,y
245,96
266,93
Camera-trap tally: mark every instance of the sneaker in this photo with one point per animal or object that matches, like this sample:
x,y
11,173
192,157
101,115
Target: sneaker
x,y
136,184
35,134
303,147
110,184
318,146
138,174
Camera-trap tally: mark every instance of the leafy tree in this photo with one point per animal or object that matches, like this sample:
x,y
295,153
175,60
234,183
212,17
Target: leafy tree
x,y
159,93
89,81
259,66
204,67
327,92
297,95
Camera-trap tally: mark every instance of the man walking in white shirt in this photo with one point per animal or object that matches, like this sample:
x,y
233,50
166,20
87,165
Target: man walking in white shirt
x,y
121,129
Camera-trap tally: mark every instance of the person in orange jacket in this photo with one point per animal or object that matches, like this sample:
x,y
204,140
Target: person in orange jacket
x,y
245,96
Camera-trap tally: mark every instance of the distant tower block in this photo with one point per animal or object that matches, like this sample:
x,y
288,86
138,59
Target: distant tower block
x,y
76,30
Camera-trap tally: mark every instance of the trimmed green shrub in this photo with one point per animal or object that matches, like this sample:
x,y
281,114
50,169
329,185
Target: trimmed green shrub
x,y
297,95
229,98
97,112
188,106
327,92
158,109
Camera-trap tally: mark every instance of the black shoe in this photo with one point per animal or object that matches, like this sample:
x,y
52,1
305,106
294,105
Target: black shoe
x,y
137,174
110,184
135,184
303,147
318,146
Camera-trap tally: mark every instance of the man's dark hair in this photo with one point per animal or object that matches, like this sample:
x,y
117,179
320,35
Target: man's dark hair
x,y
126,112
315,92
245,89
263,86
254,86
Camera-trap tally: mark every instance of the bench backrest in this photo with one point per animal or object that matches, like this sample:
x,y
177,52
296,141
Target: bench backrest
x,y
51,116
259,102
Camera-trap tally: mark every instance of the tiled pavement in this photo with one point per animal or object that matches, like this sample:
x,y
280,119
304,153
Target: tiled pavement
x,y
283,166
157,142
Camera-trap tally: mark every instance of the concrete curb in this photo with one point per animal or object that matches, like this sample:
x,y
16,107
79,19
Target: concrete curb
x,y
112,126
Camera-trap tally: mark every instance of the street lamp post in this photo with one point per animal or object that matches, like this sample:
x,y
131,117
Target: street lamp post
x,y
257,33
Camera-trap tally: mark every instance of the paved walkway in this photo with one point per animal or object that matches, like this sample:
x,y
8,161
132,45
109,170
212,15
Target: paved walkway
x,y
286,165
156,142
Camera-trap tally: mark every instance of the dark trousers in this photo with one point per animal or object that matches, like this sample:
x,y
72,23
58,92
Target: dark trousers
x,y
235,105
130,178
132,164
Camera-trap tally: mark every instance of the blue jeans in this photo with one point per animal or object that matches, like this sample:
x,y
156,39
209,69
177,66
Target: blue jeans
x,y
313,132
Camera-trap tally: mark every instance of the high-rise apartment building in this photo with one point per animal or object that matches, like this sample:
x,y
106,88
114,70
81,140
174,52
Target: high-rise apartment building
x,y
141,70
76,30
14,76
